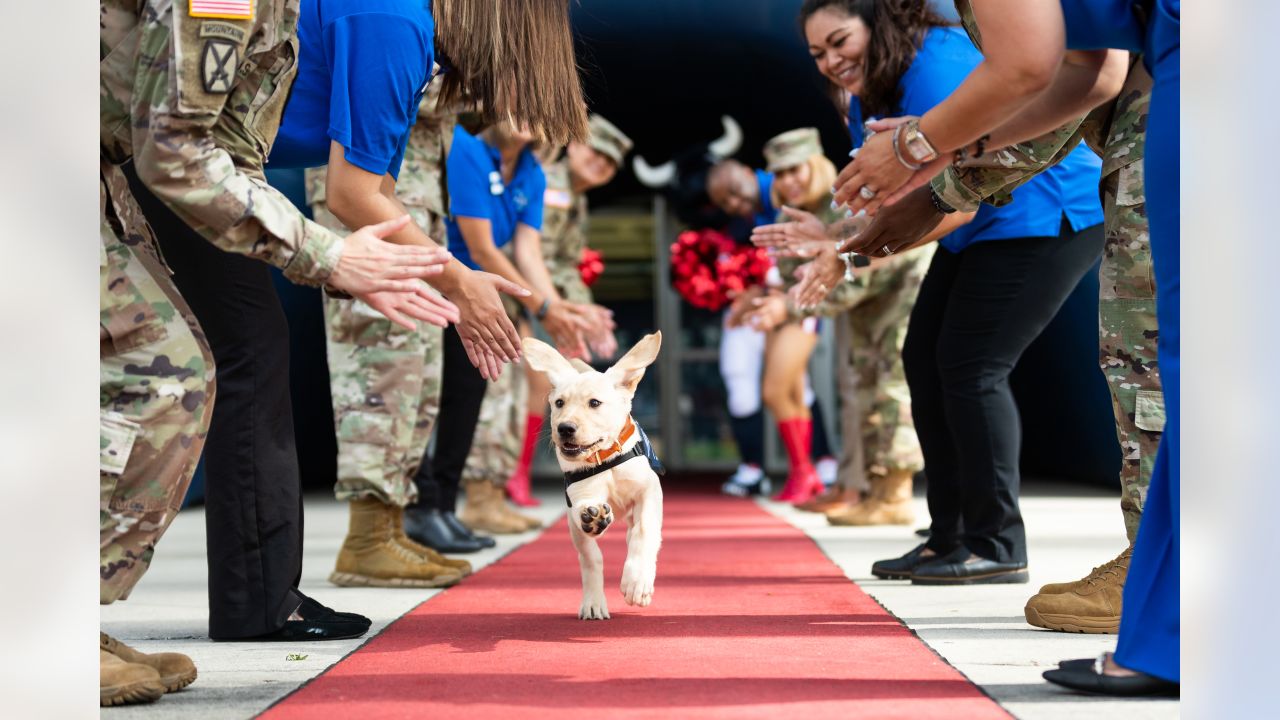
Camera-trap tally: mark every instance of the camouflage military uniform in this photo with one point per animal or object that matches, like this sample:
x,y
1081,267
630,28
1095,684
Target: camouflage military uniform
x,y
384,379
156,389
197,135
564,232
871,317
1128,331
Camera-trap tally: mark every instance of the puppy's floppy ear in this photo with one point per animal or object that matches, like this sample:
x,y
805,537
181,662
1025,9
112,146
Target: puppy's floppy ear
x,y
628,371
581,365
544,358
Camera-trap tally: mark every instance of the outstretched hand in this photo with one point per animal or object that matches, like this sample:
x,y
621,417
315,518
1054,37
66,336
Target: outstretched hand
x,y
369,264
799,238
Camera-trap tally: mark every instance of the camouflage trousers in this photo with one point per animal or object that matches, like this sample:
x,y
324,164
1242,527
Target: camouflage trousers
x,y
1128,334
499,436
385,385
156,392
878,436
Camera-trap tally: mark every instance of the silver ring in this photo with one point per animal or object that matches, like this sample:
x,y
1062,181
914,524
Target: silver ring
x,y
867,193
886,250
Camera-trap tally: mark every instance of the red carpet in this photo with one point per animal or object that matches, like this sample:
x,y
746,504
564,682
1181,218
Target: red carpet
x,y
749,620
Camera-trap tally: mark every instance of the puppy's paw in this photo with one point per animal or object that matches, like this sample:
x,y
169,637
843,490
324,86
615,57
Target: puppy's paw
x,y
595,519
637,584
593,608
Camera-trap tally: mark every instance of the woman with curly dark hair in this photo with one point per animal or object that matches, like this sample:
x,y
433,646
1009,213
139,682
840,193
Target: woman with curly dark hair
x,y
990,289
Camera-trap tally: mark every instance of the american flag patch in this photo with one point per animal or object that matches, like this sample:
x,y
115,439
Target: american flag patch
x,y
228,9
555,198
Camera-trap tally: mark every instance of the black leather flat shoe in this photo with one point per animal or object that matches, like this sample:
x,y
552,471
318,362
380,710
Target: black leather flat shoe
x,y
900,568
429,527
453,522
961,567
1091,679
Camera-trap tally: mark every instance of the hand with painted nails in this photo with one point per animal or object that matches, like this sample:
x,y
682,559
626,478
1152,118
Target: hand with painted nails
x,y
898,227
800,237
879,172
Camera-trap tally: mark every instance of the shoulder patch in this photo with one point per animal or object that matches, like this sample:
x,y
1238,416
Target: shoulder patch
x,y
228,9
557,198
222,31
218,62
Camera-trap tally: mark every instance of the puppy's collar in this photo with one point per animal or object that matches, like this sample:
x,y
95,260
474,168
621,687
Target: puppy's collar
x,y
603,454
612,456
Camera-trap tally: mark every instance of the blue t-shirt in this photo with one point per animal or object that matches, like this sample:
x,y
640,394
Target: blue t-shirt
x,y
941,64
362,67
768,213
476,190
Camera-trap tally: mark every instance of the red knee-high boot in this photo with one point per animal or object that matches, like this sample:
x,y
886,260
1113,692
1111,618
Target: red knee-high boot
x,y
802,482
519,483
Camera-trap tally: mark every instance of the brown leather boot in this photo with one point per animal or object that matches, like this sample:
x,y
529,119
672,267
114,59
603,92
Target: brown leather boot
x,y
837,498
889,504
1091,606
1055,588
422,551
485,510
126,683
175,669
371,557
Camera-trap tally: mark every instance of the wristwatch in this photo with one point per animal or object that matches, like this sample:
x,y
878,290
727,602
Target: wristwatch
x,y
853,260
916,145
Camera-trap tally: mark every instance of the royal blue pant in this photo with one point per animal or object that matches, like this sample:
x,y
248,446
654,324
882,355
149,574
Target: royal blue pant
x,y
1150,638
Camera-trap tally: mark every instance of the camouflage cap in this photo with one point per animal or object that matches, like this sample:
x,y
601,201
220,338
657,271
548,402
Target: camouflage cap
x,y
607,138
792,148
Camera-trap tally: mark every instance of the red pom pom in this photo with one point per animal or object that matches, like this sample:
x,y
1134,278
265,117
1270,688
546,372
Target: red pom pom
x,y
590,266
707,267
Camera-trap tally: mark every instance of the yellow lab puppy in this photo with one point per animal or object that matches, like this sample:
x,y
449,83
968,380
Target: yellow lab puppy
x,y
606,458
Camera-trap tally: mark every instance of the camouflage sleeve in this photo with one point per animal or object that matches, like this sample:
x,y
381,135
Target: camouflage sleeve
x,y
568,253
993,177
222,196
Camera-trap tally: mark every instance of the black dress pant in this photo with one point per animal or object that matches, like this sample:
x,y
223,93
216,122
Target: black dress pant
x,y
253,505
462,391
977,312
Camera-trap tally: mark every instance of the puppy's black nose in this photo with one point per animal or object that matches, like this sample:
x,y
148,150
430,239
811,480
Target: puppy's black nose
x,y
566,429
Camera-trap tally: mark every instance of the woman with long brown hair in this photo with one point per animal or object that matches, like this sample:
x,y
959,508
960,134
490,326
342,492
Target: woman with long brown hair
x,y
345,94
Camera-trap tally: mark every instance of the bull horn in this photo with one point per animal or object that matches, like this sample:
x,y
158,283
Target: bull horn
x,y
728,143
654,177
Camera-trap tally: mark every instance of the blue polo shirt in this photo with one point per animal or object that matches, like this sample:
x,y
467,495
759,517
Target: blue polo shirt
x,y
767,214
1068,189
362,68
476,190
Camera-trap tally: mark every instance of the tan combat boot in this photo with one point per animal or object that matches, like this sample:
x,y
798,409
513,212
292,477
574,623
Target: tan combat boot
x,y
422,551
175,669
1091,605
371,557
125,683
836,498
486,511
1055,588
889,504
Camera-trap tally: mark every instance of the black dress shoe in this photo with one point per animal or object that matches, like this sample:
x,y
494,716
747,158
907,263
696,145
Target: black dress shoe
x,y
1083,675
453,522
429,527
310,608
961,567
318,623
900,568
